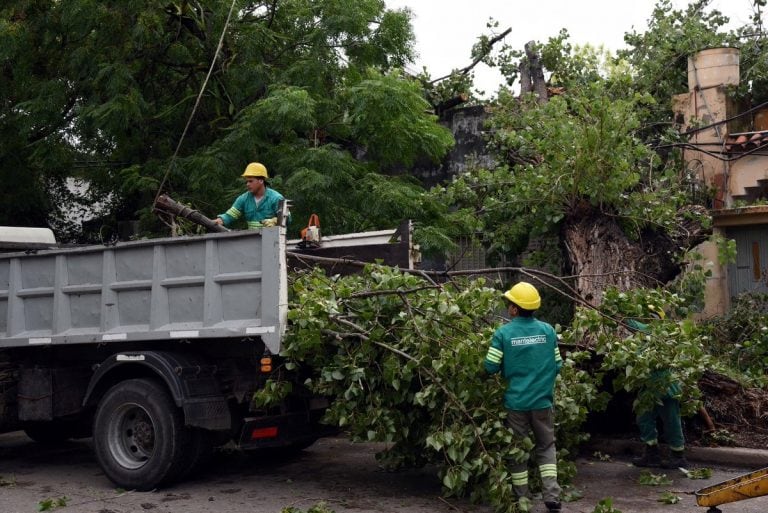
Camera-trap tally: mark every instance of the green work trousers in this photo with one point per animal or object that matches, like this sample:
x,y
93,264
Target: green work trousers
x,y
541,423
669,412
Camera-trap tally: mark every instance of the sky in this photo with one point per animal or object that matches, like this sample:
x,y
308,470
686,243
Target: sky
x,y
446,29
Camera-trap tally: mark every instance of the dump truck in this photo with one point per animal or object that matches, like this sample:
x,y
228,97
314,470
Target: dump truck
x,y
155,348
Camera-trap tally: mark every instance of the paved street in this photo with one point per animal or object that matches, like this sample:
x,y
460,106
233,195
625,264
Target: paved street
x,y
334,470
618,479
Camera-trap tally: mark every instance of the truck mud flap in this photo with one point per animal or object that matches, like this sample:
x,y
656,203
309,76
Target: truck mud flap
x,y
44,394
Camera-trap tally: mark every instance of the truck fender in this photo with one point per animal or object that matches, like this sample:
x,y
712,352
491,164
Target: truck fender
x,y
191,382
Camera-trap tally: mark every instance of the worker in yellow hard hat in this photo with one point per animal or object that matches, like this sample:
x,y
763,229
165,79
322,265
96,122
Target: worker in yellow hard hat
x,y
260,205
525,351
666,408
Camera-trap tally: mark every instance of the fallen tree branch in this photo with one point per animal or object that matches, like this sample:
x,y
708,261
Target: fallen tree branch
x,y
537,275
371,293
339,335
451,505
428,372
478,59
166,205
706,418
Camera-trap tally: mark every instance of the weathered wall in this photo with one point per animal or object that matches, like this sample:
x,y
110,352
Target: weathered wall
x,y
735,178
466,124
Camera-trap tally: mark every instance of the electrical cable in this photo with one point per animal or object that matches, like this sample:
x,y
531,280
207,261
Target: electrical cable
x,y
711,125
197,101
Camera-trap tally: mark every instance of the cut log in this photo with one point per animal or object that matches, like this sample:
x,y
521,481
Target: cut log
x,y
166,205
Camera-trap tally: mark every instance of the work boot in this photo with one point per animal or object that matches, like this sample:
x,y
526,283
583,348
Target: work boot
x,y
651,457
552,506
676,460
524,504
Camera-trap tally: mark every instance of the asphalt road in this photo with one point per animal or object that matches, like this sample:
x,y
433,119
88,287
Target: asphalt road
x,y
343,474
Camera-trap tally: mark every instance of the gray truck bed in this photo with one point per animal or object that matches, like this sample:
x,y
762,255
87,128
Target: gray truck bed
x,y
210,286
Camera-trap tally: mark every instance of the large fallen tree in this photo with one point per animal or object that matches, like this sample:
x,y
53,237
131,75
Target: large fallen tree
x,y
401,358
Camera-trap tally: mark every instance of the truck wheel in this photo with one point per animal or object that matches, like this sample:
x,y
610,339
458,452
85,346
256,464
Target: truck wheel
x,y
139,435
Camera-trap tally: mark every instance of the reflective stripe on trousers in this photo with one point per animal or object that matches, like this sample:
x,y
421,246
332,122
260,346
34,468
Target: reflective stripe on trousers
x,y
541,423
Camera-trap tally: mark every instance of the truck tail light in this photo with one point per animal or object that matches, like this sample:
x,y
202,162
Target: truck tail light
x,y
265,432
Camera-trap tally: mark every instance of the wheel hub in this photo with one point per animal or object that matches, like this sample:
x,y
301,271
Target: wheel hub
x,y
144,435
132,436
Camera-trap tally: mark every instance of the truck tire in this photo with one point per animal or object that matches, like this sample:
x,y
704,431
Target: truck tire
x,y
139,435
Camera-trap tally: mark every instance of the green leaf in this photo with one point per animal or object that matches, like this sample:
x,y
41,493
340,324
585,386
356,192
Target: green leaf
x,y
669,498
698,473
648,478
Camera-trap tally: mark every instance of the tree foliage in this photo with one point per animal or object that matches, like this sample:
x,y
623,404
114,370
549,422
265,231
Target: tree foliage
x,y
669,354
402,357
587,163
659,56
561,161
103,90
740,338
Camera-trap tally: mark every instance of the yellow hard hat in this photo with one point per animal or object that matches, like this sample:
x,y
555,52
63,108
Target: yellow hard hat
x,y
524,295
658,311
255,169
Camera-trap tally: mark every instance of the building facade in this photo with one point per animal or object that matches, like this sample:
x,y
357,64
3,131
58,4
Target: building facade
x,y
727,153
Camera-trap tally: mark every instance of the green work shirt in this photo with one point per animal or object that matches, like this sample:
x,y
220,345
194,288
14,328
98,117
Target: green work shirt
x,y
675,389
525,352
245,206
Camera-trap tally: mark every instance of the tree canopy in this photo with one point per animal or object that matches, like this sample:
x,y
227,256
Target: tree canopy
x,y
102,90
587,166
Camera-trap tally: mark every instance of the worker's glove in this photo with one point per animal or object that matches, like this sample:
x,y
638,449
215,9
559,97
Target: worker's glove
x,y
272,221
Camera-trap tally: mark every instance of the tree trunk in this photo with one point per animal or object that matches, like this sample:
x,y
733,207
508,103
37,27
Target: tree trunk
x,y
601,255
526,86
537,72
